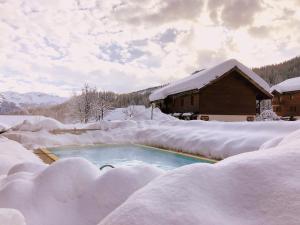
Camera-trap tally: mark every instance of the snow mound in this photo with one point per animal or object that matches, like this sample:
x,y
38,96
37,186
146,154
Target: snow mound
x,y
204,77
4,127
137,113
32,98
288,85
11,217
45,124
261,187
13,120
57,193
254,188
267,115
12,153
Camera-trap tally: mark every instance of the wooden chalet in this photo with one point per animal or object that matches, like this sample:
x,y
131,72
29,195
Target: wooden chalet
x,y
228,92
286,100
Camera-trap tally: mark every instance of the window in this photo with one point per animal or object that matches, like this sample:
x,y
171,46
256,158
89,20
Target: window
x,y
192,99
182,101
291,97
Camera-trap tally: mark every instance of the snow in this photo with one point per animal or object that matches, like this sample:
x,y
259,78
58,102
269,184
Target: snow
x,y
254,188
56,194
288,85
257,183
45,124
12,120
4,127
11,217
212,139
267,115
140,112
205,77
12,153
260,187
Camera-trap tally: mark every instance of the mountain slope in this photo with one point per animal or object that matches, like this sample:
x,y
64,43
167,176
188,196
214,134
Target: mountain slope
x,y
12,101
31,98
277,73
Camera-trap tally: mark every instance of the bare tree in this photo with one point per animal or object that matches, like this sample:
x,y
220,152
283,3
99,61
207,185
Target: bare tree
x,y
102,104
83,103
130,111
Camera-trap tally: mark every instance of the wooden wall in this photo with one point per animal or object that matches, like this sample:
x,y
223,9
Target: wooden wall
x,y
230,95
286,104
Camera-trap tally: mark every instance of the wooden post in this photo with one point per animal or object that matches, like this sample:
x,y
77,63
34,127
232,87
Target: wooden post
x,y
258,105
152,107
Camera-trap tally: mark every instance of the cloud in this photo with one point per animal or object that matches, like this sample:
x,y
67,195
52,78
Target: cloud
x,y
56,46
158,12
234,13
259,32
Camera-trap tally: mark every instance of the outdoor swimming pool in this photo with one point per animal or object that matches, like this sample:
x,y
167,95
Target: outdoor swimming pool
x,y
120,155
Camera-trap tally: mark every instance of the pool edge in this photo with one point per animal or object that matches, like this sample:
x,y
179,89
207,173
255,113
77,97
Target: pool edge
x,y
45,155
202,158
54,158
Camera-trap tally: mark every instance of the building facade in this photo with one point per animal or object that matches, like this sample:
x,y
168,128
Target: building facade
x,y
231,95
286,100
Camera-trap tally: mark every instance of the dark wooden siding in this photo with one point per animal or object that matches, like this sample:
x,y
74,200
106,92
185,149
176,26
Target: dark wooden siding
x,y
231,94
286,104
183,103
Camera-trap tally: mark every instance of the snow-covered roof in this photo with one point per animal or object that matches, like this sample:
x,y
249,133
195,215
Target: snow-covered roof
x,y
205,77
288,85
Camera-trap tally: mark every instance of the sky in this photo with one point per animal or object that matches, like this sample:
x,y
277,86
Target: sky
x,y
55,46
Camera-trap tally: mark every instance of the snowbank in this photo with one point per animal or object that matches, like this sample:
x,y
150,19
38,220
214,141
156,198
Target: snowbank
x,y
13,120
12,153
11,217
211,139
56,194
137,113
4,127
254,188
44,124
261,187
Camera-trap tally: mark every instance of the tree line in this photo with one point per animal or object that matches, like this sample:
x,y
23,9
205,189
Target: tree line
x,y
92,105
276,73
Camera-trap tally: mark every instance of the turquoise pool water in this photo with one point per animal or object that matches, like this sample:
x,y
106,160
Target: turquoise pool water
x,y
120,155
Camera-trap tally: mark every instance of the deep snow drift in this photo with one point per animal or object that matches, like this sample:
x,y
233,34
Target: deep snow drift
x,y
261,187
253,188
12,153
70,192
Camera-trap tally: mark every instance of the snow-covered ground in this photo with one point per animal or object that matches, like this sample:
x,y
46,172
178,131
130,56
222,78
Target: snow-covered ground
x,y
260,186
